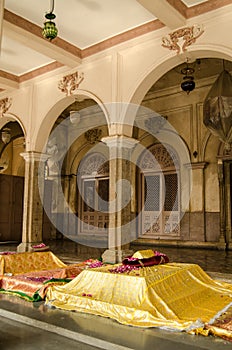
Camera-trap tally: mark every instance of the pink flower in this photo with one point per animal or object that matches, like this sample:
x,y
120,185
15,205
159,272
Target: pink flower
x,y
87,295
123,269
95,264
41,245
158,253
132,259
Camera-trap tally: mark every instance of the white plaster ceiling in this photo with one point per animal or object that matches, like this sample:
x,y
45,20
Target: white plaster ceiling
x,y
82,23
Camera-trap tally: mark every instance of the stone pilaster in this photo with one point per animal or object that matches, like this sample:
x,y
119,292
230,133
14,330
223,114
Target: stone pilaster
x,y
120,193
197,203
221,243
33,208
227,175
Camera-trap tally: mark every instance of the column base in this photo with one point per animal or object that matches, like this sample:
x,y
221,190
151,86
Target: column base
x,y
114,256
221,245
28,247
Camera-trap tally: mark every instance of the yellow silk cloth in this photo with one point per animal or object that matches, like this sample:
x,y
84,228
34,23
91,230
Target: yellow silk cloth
x,y
173,296
20,263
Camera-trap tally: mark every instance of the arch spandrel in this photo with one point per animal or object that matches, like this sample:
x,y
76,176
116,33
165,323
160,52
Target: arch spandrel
x,y
49,120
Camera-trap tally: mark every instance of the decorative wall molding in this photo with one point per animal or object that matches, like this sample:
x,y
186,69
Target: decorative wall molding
x,y
70,83
5,104
199,165
188,36
93,135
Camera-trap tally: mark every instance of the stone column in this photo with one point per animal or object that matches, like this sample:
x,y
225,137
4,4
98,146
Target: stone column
x,y
33,208
119,232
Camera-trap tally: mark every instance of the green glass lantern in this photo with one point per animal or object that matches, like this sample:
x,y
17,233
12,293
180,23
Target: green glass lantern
x,y
50,31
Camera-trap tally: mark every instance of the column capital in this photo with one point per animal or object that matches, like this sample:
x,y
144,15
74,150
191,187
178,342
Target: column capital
x,y
120,141
196,165
35,156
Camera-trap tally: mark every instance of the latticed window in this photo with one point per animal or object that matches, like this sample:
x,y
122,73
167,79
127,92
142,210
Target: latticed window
x,y
171,201
93,174
160,204
152,193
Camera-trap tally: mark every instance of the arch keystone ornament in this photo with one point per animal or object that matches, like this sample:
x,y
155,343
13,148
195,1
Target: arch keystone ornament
x,y
181,38
70,83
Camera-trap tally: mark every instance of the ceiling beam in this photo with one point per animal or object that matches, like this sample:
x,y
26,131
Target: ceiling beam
x,y
8,81
1,20
166,13
30,35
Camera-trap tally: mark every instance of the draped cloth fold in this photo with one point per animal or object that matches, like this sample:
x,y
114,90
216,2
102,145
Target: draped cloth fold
x,y
172,296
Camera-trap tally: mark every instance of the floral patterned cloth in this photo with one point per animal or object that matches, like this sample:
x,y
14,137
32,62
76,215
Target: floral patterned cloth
x,y
28,275
32,286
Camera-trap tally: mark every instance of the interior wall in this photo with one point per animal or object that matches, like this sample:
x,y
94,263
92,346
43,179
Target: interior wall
x,y
185,113
12,160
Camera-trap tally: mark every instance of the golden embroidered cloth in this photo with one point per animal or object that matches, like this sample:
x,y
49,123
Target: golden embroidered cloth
x,y
20,263
173,296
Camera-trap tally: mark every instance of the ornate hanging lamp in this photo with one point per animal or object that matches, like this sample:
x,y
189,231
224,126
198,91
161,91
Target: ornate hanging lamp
x,y
188,83
217,109
6,135
49,30
74,117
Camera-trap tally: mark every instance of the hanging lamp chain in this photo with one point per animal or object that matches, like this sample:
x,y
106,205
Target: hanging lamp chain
x,y
50,15
51,6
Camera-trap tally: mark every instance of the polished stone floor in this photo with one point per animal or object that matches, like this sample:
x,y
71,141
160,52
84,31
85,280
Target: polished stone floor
x,y
16,335
60,328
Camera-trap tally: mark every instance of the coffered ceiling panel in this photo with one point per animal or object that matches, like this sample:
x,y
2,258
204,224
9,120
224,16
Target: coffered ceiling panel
x,y
83,25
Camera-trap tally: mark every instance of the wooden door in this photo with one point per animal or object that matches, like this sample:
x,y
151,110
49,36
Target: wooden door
x,y
5,207
17,208
11,207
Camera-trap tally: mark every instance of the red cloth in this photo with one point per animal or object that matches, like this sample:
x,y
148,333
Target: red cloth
x,y
158,258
